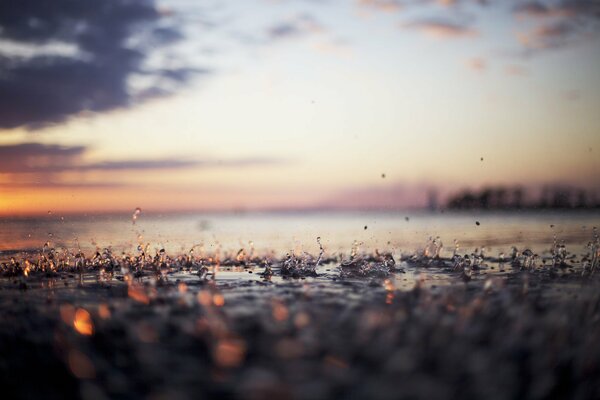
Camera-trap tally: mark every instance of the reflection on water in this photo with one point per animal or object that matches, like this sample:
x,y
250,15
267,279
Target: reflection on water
x,y
282,232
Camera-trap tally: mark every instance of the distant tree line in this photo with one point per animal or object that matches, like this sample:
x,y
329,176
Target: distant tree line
x,y
503,198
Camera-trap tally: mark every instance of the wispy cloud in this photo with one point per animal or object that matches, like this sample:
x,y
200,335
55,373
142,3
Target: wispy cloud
x,y
28,158
388,6
477,64
298,26
550,36
516,70
441,29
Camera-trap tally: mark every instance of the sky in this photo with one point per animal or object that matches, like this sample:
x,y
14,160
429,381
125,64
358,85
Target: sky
x,y
180,105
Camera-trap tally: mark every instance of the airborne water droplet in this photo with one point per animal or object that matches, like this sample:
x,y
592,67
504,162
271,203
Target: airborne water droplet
x,y
135,215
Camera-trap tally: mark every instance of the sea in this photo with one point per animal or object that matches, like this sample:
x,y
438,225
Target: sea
x,y
278,233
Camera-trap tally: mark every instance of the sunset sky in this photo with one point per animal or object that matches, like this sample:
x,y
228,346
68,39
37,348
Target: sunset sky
x,y
265,104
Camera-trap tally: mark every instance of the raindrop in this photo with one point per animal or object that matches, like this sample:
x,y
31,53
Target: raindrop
x,y
477,223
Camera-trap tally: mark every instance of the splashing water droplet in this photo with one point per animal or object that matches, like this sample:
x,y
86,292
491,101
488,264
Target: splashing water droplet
x,y
136,214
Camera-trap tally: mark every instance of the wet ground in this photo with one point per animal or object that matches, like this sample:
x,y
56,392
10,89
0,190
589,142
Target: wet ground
x,y
373,326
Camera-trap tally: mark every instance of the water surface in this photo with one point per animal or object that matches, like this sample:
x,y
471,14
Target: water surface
x,y
281,232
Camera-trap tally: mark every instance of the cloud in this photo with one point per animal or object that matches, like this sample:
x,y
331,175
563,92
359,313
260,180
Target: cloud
x,y
558,24
452,3
47,182
516,70
456,2
298,26
388,6
38,158
442,29
477,64
536,10
551,36
28,157
560,9
67,56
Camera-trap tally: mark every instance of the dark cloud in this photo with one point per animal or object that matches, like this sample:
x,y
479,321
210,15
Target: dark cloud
x,y
284,30
38,158
558,24
563,8
533,9
112,39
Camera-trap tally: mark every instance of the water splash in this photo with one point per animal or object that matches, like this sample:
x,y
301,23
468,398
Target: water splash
x,y
527,260
458,262
592,259
433,248
136,214
321,252
559,253
360,266
297,266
